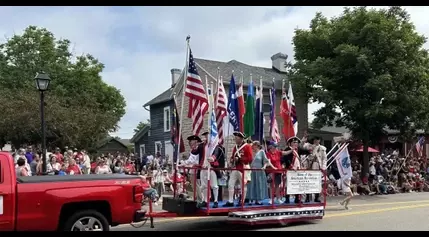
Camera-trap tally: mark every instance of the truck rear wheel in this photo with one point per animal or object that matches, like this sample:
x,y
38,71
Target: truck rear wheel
x,y
88,220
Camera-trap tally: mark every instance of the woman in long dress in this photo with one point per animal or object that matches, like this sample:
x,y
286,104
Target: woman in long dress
x,y
257,190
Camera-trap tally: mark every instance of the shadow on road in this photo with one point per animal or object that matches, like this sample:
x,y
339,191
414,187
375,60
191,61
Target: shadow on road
x,y
223,225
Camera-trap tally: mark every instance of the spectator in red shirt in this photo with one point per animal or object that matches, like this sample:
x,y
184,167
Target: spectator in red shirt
x,y
148,191
73,168
274,155
129,167
60,157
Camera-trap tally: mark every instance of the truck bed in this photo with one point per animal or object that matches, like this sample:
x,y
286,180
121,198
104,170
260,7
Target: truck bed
x,y
73,178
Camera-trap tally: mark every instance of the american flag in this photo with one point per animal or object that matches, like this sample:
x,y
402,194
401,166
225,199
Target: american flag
x,y
198,102
419,145
274,128
221,110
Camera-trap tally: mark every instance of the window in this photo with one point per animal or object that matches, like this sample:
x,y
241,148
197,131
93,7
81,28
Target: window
x,y
142,150
158,147
167,118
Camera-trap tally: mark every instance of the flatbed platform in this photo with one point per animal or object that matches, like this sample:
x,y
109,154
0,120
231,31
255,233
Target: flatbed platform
x,y
265,205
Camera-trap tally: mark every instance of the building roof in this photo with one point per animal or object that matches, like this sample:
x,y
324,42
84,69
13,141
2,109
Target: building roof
x,y
126,142
103,142
161,98
210,67
139,134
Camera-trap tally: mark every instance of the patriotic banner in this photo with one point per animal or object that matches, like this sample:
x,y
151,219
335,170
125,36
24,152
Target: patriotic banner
x,y
419,146
259,114
233,113
175,136
292,108
249,116
198,104
274,129
344,164
285,112
241,108
221,111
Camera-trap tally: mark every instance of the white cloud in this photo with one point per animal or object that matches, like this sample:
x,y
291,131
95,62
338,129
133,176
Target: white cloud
x,y
140,45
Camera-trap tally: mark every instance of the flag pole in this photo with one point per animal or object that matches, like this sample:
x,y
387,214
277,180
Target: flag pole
x,y
217,87
287,125
261,115
229,128
176,148
185,75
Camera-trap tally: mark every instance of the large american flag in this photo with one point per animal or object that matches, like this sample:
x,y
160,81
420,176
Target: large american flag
x,y
198,102
221,110
419,145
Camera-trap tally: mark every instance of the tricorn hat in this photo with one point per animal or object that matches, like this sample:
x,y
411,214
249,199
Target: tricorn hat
x,y
205,133
194,138
293,139
239,134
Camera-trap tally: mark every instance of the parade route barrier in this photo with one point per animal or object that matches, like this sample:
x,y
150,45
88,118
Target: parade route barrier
x,y
296,183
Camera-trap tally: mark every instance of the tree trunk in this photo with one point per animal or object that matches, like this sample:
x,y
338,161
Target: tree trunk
x,y
365,161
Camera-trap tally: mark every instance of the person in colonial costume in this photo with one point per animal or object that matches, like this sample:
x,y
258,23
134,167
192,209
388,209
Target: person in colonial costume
x,y
291,161
242,156
209,162
317,160
219,153
257,190
197,152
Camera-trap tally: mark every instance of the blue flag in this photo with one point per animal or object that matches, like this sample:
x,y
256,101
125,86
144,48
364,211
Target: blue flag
x,y
233,113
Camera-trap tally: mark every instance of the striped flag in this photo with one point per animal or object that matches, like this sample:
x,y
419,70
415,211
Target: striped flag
x,y
274,129
198,104
241,108
419,145
292,109
221,110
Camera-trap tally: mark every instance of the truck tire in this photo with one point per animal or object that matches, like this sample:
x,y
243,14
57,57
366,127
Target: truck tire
x,y
88,220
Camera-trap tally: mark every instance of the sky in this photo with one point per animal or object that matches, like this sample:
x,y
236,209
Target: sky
x,y
140,45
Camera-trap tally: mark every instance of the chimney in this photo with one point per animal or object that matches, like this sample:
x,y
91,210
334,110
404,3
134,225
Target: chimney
x,y
175,75
279,61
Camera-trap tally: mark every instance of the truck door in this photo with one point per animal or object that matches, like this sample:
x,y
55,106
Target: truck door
x,y
7,197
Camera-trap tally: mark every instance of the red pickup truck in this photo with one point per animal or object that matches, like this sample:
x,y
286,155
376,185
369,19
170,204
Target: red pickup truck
x,y
67,203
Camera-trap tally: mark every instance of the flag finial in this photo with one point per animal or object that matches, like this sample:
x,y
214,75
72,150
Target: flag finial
x,y
188,38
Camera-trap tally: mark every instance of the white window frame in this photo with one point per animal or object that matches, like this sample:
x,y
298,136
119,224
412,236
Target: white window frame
x,y
167,118
156,147
144,150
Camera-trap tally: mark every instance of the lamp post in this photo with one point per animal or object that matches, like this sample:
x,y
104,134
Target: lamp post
x,y
42,84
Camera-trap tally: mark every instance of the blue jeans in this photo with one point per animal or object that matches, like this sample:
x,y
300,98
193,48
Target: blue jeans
x,y
151,193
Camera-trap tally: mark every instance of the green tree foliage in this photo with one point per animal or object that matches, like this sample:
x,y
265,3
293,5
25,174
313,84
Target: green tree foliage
x,y
80,107
369,69
141,125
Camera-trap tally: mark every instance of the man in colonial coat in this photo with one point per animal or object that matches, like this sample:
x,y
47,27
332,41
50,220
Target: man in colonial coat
x,y
317,160
291,161
242,155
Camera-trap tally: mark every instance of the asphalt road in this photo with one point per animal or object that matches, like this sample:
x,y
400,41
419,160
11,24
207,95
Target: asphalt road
x,y
399,212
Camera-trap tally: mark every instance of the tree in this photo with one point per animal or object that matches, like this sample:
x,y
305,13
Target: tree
x,y
369,69
141,125
80,107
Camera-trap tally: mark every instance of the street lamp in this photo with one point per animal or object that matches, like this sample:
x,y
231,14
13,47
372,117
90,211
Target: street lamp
x,y
42,84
